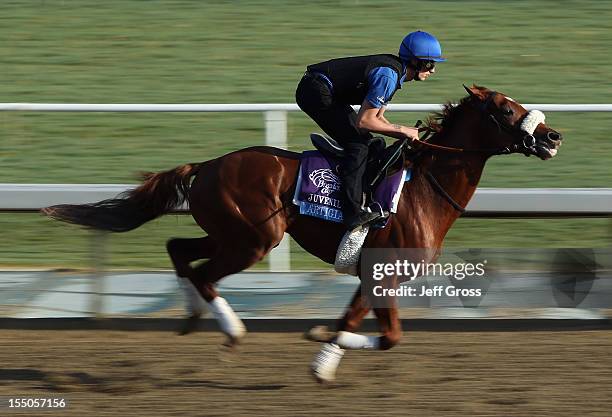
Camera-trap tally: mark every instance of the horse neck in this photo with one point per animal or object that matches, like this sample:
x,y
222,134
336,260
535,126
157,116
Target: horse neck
x,y
457,173
459,177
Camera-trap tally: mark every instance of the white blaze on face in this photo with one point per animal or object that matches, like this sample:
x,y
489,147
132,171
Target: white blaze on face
x,y
510,99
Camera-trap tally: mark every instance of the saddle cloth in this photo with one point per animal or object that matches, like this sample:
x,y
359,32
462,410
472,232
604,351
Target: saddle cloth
x,y
317,191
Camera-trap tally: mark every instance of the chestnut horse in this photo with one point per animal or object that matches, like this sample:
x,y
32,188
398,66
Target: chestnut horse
x,y
243,201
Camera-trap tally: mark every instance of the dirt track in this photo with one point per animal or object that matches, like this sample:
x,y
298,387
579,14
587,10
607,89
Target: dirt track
x,y
157,373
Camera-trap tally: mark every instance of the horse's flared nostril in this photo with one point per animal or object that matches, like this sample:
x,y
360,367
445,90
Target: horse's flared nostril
x,y
556,136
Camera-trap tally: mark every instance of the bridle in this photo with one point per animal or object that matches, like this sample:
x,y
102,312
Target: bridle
x,y
526,146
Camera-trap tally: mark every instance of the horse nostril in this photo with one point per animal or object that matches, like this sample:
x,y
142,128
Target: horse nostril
x,y
554,136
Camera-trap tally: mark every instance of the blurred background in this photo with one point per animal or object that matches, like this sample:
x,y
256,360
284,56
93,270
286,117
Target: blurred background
x,y
256,52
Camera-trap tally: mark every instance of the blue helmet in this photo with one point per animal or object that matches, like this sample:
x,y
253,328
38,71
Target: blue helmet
x,y
421,45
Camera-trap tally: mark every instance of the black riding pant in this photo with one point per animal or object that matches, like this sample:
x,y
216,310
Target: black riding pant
x,y
339,121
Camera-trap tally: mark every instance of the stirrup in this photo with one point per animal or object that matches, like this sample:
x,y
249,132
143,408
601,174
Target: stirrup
x,y
376,207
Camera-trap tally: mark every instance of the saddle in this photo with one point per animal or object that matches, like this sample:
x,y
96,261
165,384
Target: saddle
x,y
382,160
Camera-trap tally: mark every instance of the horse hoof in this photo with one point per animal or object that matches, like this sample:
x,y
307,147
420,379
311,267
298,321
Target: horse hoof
x,y
323,377
318,378
326,362
319,334
190,325
228,351
232,342
227,354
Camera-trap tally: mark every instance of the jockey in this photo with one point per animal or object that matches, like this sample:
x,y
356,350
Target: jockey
x,y
327,90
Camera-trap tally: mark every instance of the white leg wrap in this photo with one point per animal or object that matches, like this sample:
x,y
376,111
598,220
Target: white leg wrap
x,y
228,320
326,362
348,340
195,303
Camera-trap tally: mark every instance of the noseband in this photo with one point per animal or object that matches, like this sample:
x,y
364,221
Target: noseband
x,y
526,128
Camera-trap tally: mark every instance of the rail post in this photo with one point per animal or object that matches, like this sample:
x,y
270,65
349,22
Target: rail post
x,y
276,135
99,243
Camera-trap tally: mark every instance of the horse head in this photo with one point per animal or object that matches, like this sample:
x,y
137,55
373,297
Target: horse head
x,y
510,128
483,124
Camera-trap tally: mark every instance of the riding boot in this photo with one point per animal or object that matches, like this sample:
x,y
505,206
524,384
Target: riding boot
x,y
351,174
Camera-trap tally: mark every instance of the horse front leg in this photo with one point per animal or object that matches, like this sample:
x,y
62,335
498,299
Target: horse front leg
x,y
387,315
354,314
328,359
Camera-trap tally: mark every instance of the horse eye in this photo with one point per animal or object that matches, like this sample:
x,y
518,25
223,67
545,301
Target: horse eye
x,y
507,112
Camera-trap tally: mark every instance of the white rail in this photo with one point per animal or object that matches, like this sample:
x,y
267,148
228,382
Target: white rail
x,y
86,107
487,202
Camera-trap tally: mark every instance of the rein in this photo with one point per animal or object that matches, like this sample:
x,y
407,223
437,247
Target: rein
x,y
433,181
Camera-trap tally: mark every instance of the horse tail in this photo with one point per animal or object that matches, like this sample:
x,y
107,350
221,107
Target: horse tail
x,y
158,194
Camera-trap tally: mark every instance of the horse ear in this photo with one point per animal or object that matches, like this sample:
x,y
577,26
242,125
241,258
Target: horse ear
x,y
469,90
475,91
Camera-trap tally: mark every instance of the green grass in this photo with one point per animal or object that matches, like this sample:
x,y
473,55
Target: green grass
x,y
255,52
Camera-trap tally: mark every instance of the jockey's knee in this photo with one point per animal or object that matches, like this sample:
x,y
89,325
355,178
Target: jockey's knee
x,y
390,339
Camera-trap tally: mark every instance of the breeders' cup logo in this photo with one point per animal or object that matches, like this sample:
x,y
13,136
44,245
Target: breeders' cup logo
x,y
325,179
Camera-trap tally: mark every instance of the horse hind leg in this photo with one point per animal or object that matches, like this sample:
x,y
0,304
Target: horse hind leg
x,y
246,226
182,252
226,261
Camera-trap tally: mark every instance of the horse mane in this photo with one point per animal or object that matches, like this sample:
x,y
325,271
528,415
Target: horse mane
x,y
439,121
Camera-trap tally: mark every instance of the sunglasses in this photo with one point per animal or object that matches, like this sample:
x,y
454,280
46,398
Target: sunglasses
x,y
426,65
